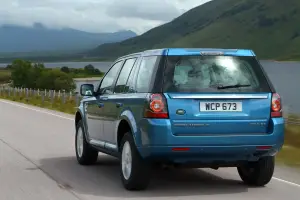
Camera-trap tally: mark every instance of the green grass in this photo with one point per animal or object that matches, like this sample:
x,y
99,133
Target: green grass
x,y
68,107
5,76
289,155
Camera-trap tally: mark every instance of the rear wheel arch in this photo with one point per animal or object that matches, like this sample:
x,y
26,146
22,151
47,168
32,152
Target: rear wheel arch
x,y
78,117
123,128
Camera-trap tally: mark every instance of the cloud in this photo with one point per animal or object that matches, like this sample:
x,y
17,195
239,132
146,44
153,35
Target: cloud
x,y
94,15
157,10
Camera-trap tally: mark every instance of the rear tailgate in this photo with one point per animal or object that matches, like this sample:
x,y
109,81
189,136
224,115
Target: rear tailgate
x,y
216,95
213,114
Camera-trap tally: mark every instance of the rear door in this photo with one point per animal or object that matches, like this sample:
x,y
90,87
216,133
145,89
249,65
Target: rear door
x,y
105,90
227,95
115,102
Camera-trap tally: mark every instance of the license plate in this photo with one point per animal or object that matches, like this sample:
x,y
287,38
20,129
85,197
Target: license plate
x,y
221,106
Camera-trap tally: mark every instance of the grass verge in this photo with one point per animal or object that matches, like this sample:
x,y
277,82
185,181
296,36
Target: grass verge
x,y
289,155
69,106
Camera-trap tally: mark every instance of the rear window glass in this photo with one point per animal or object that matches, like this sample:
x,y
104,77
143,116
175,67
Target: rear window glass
x,y
214,74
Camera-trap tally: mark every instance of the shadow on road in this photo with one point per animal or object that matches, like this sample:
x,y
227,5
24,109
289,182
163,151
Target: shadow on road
x,y
103,179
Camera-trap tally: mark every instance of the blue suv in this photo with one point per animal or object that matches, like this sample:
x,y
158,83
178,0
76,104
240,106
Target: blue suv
x,y
200,108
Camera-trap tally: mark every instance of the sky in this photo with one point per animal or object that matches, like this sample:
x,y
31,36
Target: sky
x,y
94,15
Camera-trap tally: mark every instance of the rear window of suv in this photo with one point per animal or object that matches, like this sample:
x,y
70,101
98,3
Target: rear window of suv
x,y
214,74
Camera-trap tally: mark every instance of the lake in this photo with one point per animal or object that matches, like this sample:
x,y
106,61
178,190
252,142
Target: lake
x,y
103,66
285,77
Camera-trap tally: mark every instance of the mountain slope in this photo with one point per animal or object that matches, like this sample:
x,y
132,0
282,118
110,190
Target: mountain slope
x,y
269,27
38,38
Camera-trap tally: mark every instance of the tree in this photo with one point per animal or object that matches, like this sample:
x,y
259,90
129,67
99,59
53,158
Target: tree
x,y
55,79
34,73
20,73
36,76
9,67
65,69
89,69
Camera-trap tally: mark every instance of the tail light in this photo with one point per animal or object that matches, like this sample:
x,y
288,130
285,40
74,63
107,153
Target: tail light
x,y
276,107
156,107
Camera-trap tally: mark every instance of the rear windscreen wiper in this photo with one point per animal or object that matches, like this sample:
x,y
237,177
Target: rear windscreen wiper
x,y
232,86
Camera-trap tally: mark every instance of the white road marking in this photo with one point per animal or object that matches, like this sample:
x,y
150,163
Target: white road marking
x,y
287,182
37,110
56,115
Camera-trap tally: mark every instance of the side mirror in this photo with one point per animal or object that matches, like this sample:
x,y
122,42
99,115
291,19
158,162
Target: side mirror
x,y
87,90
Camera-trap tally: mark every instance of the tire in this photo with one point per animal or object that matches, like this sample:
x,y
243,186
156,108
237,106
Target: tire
x,y
139,177
86,155
258,173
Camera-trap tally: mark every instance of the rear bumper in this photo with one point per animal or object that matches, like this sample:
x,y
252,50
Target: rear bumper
x,y
156,141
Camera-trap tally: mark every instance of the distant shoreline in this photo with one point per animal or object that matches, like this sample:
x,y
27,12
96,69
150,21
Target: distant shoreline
x,y
87,79
109,61
281,60
69,61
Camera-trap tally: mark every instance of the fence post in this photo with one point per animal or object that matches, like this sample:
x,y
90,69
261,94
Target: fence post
x,y
52,97
63,97
26,90
43,98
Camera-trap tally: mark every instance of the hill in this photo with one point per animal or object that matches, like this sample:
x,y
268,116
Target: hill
x,y
269,27
39,38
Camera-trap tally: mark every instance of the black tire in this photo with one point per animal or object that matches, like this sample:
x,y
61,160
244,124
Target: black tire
x,y
89,154
139,177
258,173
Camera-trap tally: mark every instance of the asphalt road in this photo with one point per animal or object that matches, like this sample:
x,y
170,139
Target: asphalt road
x,y
37,162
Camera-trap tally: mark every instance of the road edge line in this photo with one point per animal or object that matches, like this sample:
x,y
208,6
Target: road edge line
x,y
34,109
287,182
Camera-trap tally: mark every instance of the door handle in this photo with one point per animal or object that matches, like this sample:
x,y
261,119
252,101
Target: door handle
x,y
85,105
118,105
100,105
